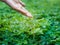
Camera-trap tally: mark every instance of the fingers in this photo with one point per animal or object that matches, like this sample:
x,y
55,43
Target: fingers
x,y
19,1
22,3
18,7
24,11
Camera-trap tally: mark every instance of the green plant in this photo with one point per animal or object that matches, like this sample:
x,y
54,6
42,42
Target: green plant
x,y
43,29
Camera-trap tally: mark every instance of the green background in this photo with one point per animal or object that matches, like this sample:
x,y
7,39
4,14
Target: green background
x,y
42,29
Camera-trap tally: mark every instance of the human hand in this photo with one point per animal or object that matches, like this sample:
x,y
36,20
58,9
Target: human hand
x,y
19,6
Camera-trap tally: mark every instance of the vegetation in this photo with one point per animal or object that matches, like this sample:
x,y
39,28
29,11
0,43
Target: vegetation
x,y
43,29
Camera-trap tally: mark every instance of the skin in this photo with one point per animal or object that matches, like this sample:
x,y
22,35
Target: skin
x,y
18,5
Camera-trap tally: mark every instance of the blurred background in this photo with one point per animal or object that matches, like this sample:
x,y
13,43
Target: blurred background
x,y
42,29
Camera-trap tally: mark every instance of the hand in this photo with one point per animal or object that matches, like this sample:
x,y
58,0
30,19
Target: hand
x,y
19,6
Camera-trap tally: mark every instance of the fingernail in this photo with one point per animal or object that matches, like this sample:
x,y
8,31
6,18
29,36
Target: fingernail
x,y
29,15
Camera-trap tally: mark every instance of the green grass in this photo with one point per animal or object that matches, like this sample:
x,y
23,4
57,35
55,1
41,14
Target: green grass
x,y
42,29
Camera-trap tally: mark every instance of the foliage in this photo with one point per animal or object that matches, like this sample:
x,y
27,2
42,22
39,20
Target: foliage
x,y
43,29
